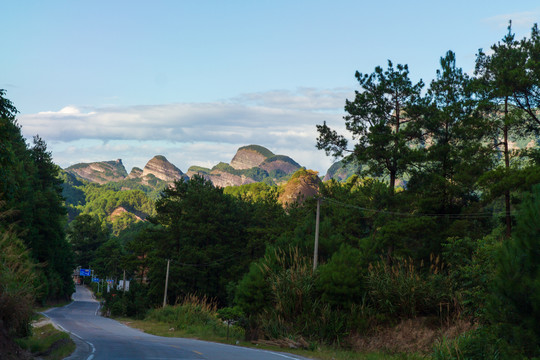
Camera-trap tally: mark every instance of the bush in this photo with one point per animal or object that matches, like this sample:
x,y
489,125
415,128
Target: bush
x,y
403,290
17,279
292,306
471,270
515,305
341,280
194,316
476,344
132,303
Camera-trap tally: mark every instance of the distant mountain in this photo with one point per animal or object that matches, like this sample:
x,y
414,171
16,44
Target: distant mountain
x,y
341,171
135,173
99,172
156,172
250,156
250,164
161,168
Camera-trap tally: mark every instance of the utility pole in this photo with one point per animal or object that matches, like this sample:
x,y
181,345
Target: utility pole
x,y
166,284
316,250
124,282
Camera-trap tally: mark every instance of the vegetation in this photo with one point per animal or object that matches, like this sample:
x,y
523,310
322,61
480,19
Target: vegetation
x,y
36,261
199,169
17,280
260,149
281,158
342,171
439,227
48,343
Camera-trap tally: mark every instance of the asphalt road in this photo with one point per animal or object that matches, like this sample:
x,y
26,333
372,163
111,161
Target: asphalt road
x,y
103,338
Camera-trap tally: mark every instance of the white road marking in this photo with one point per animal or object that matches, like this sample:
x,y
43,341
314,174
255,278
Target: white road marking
x,y
77,336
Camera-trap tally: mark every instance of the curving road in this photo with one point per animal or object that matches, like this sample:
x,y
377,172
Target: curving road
x,y
102,338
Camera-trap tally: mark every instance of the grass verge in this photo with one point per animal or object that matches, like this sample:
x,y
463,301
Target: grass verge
x,y
160,328
52,305
47,342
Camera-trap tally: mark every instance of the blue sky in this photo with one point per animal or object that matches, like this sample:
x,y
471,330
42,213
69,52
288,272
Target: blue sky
x,y
195,80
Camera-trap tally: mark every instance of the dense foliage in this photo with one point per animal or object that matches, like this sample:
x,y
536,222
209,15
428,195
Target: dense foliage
x,y
440,221
36,261
445,230
446,241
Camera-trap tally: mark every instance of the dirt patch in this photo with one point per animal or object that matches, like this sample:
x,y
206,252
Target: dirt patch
x,y
300,343
41,322
411,335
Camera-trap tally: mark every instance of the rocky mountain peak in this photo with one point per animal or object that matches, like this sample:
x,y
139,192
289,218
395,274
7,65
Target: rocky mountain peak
x,y
100,172
161,168
135,173
303,184
250,156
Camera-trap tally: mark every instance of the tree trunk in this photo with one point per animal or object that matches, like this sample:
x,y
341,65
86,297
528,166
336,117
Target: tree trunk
x,y
507,167
392,182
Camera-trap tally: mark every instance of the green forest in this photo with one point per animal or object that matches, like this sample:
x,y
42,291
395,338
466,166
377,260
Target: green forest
x,y
438,227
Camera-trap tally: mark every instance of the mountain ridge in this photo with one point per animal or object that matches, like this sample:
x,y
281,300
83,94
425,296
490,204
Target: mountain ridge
x,y
251,163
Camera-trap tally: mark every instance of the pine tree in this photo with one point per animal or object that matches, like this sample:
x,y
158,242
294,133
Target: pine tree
x,y
499,76
31,188
527,89
515,306
205,237
377,120
454,155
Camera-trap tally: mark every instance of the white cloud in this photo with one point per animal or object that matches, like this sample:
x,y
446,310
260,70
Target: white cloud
x,y
193,133
520,20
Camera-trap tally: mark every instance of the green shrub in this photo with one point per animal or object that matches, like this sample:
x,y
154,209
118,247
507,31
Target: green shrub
x,y
132,303
280,297
477,344
195,316
515,305
471,270
341,280
404,290
17,284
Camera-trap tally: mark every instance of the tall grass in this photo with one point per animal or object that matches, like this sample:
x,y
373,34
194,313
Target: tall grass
x,y
406,290
195,316
296,308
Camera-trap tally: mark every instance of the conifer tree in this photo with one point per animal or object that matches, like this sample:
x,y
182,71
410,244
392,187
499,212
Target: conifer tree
x,y
499,76
204,236
527,89
30,187
377,120
515,307
48,238
454,155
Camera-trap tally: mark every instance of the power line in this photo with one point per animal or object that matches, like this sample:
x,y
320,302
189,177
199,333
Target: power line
x,y
222,260
477,215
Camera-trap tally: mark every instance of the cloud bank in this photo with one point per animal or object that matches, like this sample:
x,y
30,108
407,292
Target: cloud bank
x,y
192,133
521,20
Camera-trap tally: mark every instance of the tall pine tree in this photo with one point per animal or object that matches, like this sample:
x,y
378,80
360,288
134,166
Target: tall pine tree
x,y
499,76
376,118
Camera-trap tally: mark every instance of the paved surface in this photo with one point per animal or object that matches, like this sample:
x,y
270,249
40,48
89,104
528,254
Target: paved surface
x,y
102,338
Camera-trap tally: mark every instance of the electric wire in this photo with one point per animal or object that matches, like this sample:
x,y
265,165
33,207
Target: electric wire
x,y
477,215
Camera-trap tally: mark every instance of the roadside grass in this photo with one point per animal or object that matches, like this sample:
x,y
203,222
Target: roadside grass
x,y
52,305
197,318
47,342
208,333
